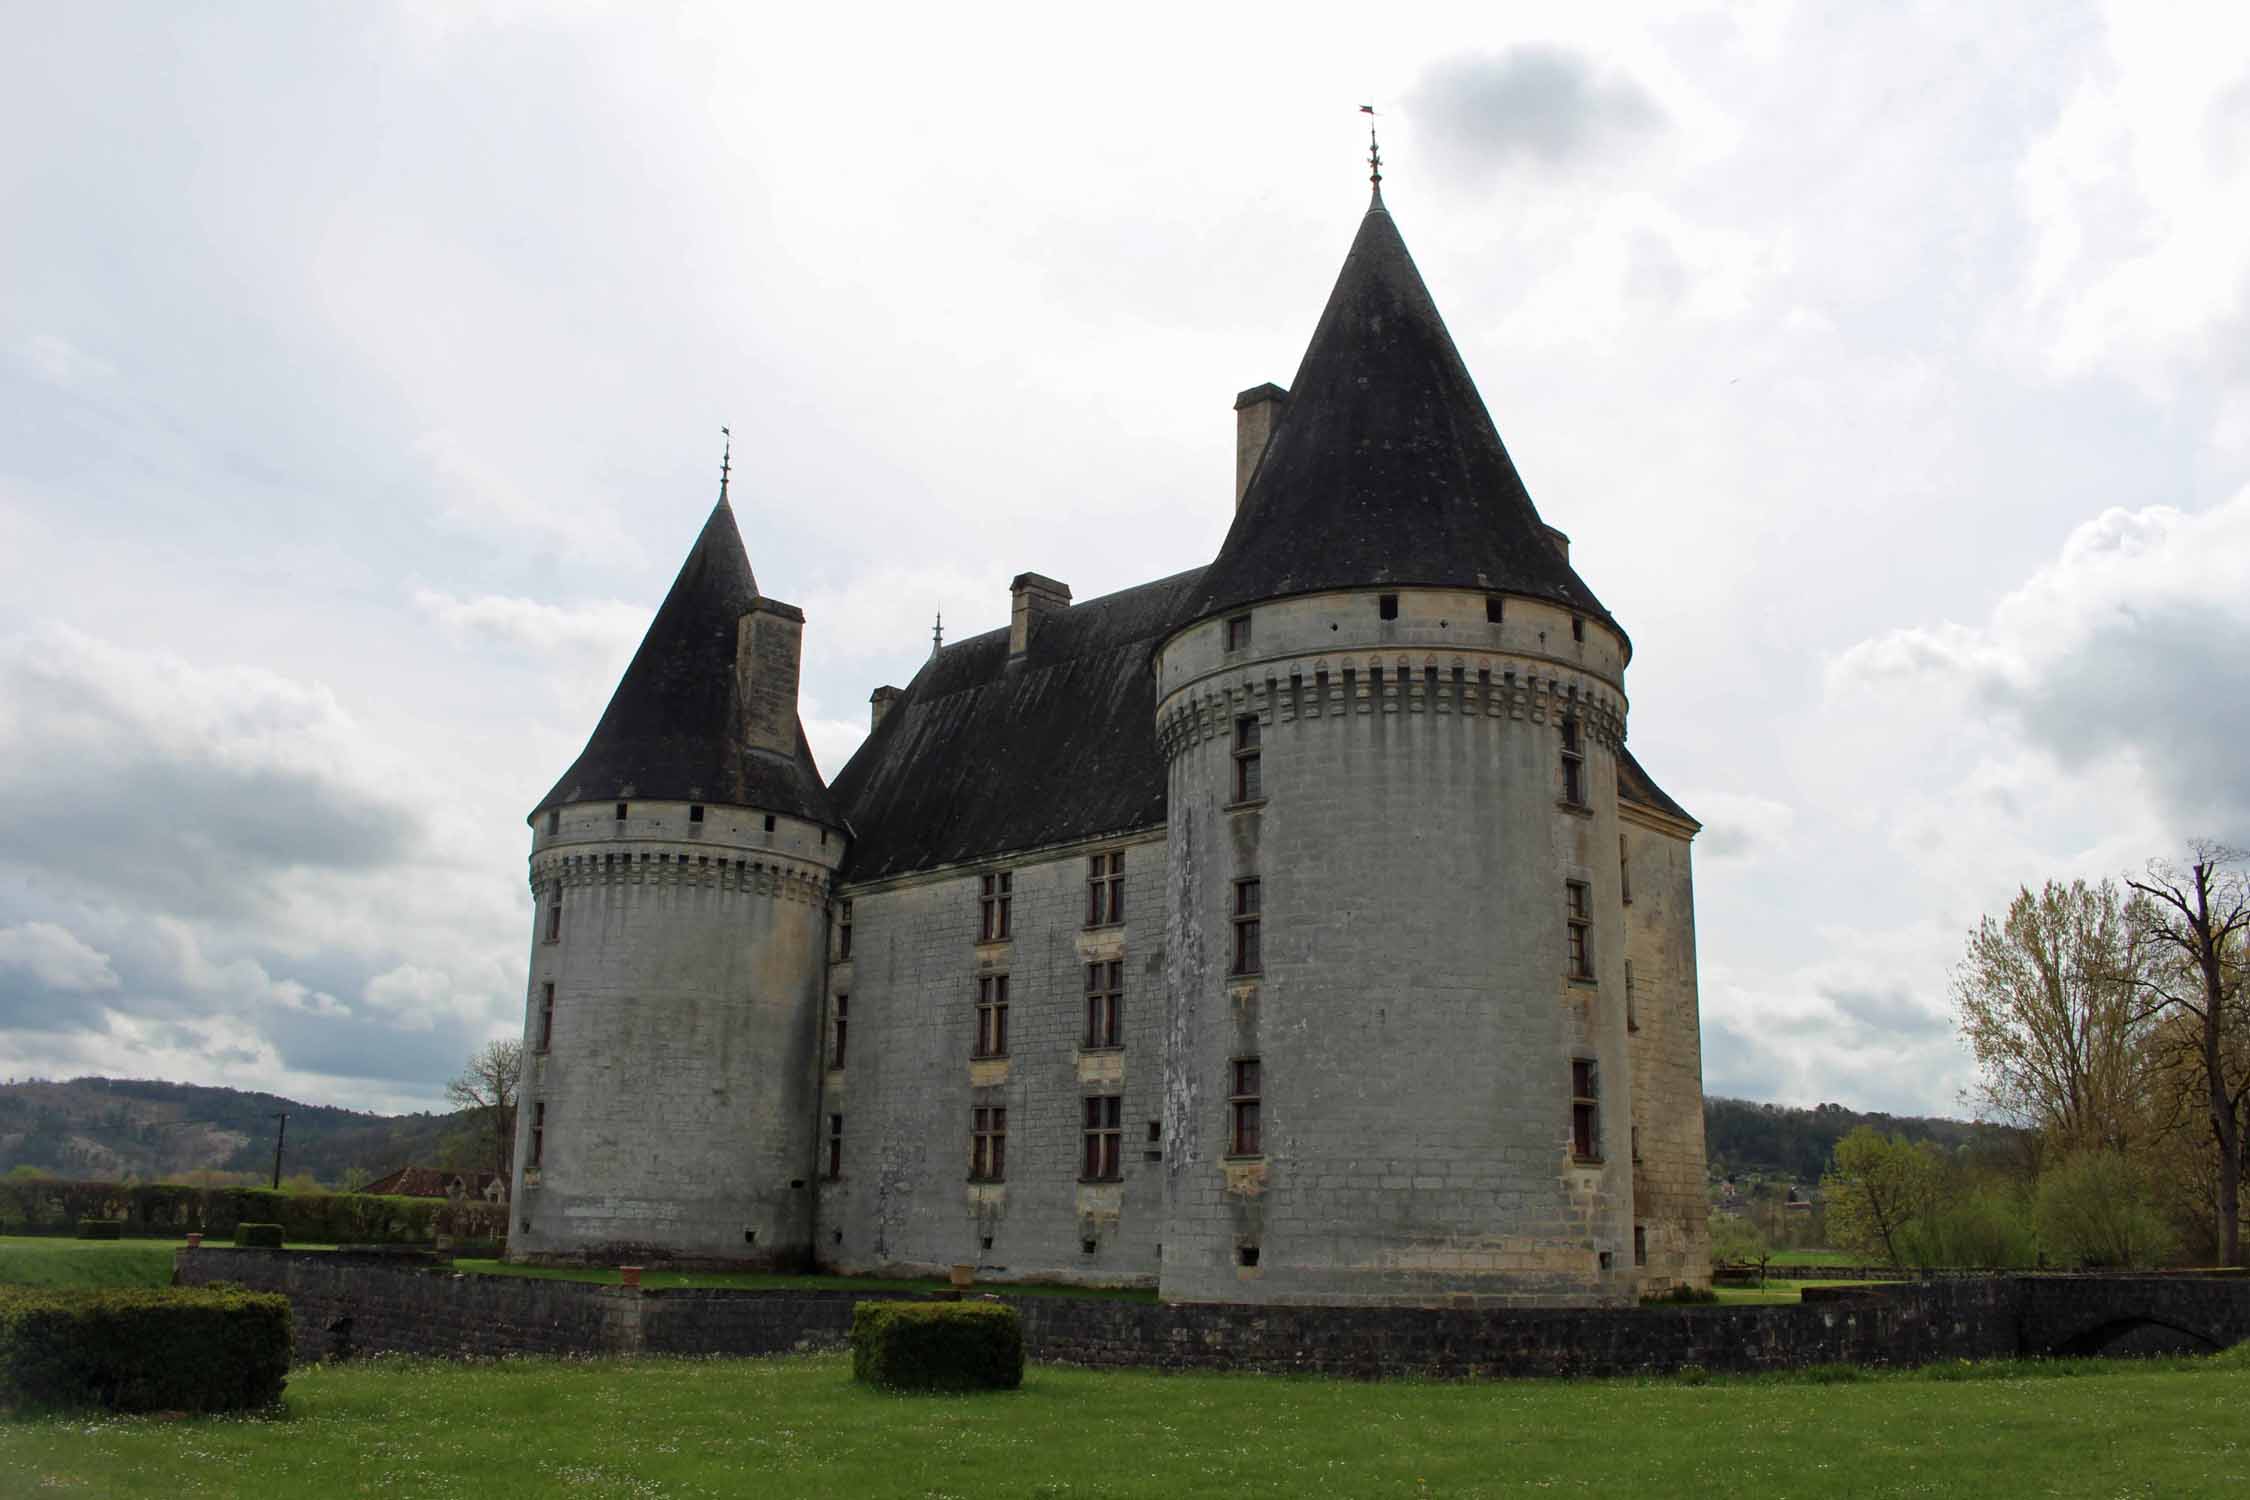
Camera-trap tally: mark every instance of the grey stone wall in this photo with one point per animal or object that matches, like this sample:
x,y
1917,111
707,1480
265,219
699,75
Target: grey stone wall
x,y
1671,1203
437,1312
904,1202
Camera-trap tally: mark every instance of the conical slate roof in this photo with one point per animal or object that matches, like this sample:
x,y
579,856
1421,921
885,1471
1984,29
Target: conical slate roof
x,y
1385,467
673,729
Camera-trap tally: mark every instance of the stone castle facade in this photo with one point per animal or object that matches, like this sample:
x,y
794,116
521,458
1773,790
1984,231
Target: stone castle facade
x,y
1297,928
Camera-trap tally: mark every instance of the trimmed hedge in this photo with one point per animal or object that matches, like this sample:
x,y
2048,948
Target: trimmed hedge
x,y
53,1206
258,1236
101,1229
937,1346
183,1349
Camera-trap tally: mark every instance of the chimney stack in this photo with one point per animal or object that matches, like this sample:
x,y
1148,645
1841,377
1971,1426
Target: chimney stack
x,y
767,643
1562,543
1256,411
1036,596
879,703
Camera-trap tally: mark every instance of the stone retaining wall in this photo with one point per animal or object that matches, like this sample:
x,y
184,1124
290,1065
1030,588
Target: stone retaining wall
x,y
444,1313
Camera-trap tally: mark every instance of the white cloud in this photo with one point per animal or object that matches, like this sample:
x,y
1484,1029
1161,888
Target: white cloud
x,y
55,957
608,628
1737,825
59,362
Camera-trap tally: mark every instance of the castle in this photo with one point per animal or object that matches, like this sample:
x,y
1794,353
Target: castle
x,y
1297,928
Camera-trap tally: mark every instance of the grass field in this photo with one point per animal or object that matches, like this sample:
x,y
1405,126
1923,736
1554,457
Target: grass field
x,y
1819,1258
33,1260
799,1427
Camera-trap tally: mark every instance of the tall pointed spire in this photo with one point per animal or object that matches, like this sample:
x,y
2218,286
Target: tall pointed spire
x,y
1385,467
726,462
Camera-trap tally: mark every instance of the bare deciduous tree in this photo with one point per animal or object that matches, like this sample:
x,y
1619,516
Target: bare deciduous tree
x,y
2048,1005
488,1087
2197,921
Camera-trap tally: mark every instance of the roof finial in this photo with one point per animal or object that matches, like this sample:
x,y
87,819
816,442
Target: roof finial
x,y
1374,152
937,634
726,462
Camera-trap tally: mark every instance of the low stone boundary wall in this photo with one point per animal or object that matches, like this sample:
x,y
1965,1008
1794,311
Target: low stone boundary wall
x,y
367,1306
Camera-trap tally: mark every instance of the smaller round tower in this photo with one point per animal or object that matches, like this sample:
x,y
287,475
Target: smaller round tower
x,y
680,872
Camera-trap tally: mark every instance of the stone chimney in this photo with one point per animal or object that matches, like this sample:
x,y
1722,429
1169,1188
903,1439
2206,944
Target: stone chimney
x,y
1255,412
1036,597
1562,543
879,704
767,643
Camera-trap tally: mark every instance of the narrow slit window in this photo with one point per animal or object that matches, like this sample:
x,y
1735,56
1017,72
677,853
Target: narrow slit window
x,y
992,1016
1249,956
1640,1244
554,912
1573,762
988,1151
1244,1099
1105,888
1579,913
1105,1004
835,1147
844,931
1104,1130
1632,1000
546,1016
1249,774
843,1017
538,1132
1624,872
1585,1110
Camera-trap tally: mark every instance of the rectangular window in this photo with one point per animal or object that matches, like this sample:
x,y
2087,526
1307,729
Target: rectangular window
x,y
621,810
1105,1004
1243,1101
1640,1245
1248,955
835,1147
1585,1111
538,1131
995,894
1105,889
546,1016
1104,1129
554,822
1249,783
1624,872
554,912
695,812
1386,605
1632,1000
1577,628
844,931
1238,633
988,1159
1492,609
992,1016
1580,914
843,1014
1636,1143
1573,764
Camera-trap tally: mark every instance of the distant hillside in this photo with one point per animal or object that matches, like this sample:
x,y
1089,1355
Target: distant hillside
x,y
1779,1140
116,1127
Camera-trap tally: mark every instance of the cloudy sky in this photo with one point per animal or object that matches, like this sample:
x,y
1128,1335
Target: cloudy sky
x,y
361,371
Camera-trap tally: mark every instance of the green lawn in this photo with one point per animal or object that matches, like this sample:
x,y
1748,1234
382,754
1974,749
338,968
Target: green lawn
x,y
760,1281
799,1427
41,1260
1819,1258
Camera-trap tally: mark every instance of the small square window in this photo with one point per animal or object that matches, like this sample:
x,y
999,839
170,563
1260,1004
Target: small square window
x,y
695,812
1386,605
1238,633
1246,1255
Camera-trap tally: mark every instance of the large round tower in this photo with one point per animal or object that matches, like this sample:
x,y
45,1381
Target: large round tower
x,y
1397,1061
681,871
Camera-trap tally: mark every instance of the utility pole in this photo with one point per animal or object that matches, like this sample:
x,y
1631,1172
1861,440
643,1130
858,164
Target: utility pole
x,y
278,1137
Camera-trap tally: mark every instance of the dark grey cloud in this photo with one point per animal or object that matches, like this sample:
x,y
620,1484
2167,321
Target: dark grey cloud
x,y
1547,106
1890,1012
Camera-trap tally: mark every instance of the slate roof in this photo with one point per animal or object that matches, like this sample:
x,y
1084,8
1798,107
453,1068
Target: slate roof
x,y
436,1182
1635,785
1384,467
981,755
673,729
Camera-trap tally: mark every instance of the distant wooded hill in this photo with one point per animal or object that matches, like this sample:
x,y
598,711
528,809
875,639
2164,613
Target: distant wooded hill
x,y
114,1128
1778,1140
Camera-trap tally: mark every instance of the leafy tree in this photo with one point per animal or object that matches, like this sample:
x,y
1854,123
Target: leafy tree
x,y
2096,1208
1879,1188
1737,1240
1973,1220
2049,1006
2196,923
487,1089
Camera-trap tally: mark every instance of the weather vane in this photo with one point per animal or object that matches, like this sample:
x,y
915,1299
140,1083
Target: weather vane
x,y
726,460
1374,152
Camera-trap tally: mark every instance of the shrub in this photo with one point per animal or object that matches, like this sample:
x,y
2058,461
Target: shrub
x,y
101,1229
191,1349
1681,1295
2097,1208
937,1346
258,1236
54,1206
